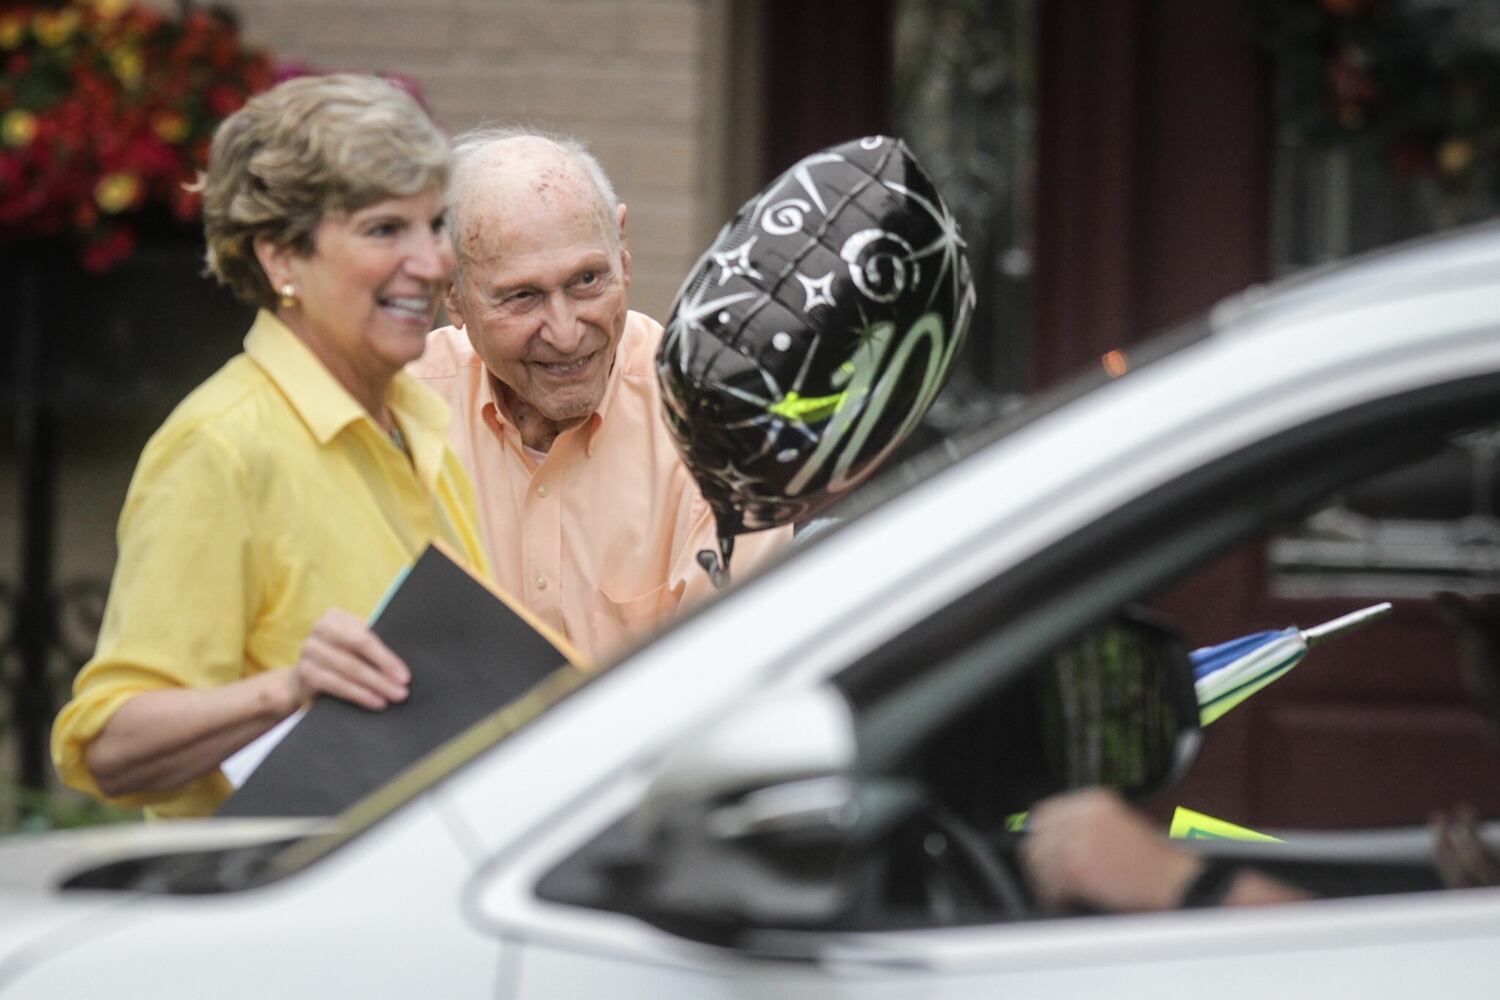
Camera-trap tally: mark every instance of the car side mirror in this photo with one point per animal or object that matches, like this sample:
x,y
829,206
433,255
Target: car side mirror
x,y
756,821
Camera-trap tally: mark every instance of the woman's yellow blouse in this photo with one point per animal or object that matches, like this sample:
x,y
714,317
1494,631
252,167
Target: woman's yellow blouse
x,y
268,497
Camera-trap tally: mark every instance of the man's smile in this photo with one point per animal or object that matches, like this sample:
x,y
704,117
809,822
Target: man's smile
x,y
566,369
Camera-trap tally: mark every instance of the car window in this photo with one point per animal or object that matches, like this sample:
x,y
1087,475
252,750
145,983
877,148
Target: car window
x,y
1375,730
1229,512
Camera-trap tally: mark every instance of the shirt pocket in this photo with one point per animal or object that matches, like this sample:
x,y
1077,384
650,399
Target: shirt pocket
x,y
621,623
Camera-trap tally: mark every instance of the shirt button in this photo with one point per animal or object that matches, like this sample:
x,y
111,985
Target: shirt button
x,y
542,490
541,582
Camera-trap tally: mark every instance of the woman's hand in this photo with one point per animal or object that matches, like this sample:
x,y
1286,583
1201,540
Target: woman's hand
x,y
342,657
161,740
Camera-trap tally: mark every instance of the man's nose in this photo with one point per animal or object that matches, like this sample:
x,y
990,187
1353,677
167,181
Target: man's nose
x,y
560,327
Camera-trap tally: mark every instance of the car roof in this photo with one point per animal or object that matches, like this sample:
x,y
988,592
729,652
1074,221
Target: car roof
x,y
1466,255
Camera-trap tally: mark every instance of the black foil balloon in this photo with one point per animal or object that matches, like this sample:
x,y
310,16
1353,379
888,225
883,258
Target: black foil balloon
x,y
813,335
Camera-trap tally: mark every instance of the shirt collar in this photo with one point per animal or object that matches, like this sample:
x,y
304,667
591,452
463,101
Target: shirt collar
x,y
424,419
589,429
320,401
326,407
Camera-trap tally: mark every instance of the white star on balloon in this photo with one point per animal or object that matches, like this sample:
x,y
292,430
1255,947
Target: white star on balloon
x,y
819,291
689,317
735,478
949,243
737,262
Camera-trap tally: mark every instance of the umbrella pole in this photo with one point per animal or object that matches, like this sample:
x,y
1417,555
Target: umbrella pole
x,y
1344,623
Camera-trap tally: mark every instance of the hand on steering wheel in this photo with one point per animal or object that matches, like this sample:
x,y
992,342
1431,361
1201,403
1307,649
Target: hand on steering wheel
x,y
1088,848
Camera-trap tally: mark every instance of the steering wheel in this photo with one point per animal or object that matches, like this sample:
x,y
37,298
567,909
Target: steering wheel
x,y
939,871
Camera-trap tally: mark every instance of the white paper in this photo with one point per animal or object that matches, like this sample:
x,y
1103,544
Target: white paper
x,y
239,765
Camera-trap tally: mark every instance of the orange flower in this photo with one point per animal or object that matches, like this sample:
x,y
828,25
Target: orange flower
x,y
170,126
109,10
18,128
127,64
117,191
52,28
12,30
1455,156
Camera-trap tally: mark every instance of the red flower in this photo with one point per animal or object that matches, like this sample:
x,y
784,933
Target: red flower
x,y
106,250
186,204
223,100
85,215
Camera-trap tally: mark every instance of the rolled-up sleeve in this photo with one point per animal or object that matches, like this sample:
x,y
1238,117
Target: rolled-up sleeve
x,y
180,602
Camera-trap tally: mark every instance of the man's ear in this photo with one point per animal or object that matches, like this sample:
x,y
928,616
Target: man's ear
x,y
453,304
624,245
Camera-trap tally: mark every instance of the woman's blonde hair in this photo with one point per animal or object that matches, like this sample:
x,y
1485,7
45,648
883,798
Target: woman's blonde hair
x,y
307,147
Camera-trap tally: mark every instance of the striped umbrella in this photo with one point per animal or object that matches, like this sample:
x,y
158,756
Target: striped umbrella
x,y
1232,671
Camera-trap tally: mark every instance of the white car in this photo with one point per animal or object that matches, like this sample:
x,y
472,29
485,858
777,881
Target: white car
x,y
755,804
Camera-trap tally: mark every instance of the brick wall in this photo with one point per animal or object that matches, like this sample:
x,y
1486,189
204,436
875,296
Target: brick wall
x,y
638,80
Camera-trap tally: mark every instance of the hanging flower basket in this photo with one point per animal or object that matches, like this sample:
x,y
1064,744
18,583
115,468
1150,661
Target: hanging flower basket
x,y
107,109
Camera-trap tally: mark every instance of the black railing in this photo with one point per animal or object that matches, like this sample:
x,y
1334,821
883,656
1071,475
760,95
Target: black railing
x,y
90,352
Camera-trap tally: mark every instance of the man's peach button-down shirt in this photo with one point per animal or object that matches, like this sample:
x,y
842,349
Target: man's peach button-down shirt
x,y
598,536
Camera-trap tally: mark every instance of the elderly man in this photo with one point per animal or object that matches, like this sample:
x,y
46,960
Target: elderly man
x,y
587,510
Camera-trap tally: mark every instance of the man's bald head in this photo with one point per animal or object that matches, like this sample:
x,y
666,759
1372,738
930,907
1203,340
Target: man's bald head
x,y
497,167
543,278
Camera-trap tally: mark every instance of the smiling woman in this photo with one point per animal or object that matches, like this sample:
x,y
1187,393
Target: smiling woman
x,y
273,509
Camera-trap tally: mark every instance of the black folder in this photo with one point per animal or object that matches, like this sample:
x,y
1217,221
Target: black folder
x,y
470,654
